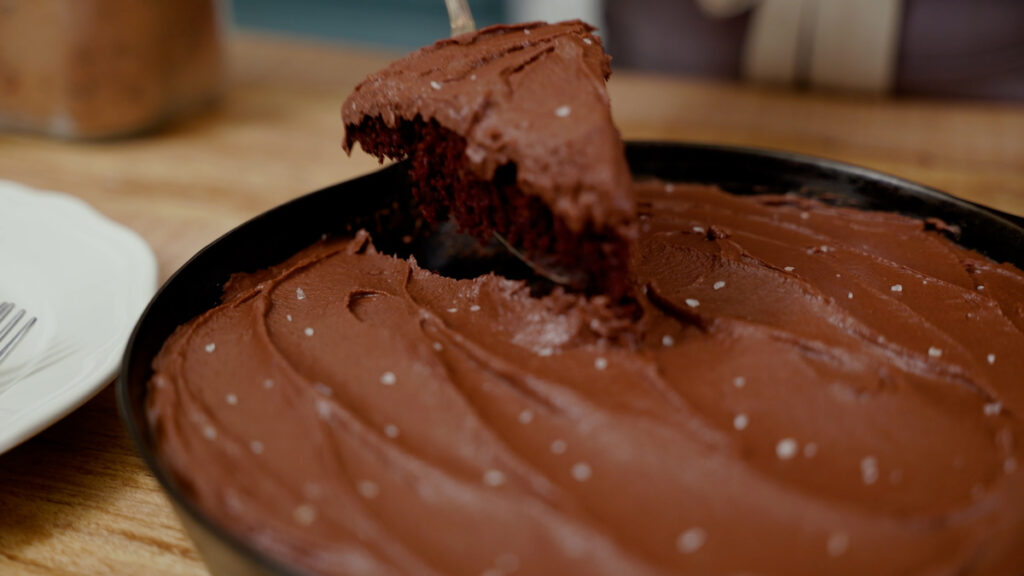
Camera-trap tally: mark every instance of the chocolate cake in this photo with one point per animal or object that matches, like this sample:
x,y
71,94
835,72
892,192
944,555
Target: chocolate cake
x,y
819,390
509,131
811,389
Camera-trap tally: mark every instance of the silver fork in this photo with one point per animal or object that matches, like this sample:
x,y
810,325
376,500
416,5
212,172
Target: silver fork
x,y
10,332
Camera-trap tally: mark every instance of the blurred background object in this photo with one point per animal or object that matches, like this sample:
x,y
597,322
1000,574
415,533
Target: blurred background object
x,y
102,68
968,48
965,48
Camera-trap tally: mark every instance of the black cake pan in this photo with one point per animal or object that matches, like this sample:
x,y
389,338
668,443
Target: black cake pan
x,y
380,202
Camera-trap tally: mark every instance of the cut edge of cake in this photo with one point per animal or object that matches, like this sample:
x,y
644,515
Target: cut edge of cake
x,y
500,171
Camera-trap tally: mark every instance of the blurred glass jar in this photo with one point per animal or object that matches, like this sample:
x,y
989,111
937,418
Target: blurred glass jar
x,y
105,68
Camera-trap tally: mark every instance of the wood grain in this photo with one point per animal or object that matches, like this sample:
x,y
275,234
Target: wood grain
x,y
77,500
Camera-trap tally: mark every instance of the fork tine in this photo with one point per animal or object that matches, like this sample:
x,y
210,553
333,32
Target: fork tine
x,y
11,324
7,346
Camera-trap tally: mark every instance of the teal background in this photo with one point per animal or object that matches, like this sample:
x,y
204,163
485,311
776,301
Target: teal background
x,y
403,24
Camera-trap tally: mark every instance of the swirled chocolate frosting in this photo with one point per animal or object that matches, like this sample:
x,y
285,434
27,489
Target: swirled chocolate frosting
x,y
811,390
528,95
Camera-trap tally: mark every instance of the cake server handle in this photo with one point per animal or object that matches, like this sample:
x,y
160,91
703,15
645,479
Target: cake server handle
x,y
459,16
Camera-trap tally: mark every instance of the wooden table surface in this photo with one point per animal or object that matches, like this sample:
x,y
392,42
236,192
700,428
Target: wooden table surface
x,y
77,500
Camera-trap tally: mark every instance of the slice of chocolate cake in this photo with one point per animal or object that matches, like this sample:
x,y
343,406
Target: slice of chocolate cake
x,y
509,131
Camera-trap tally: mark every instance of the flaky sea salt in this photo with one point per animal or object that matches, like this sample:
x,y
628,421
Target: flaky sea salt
x,y
786,449
691,540
494,477
869,470
581,471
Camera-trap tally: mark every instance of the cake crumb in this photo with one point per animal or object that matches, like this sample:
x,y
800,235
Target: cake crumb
x,y
719,285
563,111
300,294
849,295
600,363
935,352
667,341
435,84
211,347
692,540
474,308
896,288
692,302
288,317
789,268
588,41
991,358
308,331
388,379
699,230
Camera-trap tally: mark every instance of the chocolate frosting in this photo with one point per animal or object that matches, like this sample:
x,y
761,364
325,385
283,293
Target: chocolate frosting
x,y
532,95
812,390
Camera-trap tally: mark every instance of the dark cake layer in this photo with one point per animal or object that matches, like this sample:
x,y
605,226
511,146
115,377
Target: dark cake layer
x,y
445,186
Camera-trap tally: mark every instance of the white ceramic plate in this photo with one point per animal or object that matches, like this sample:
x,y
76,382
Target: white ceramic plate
x,y
86,279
